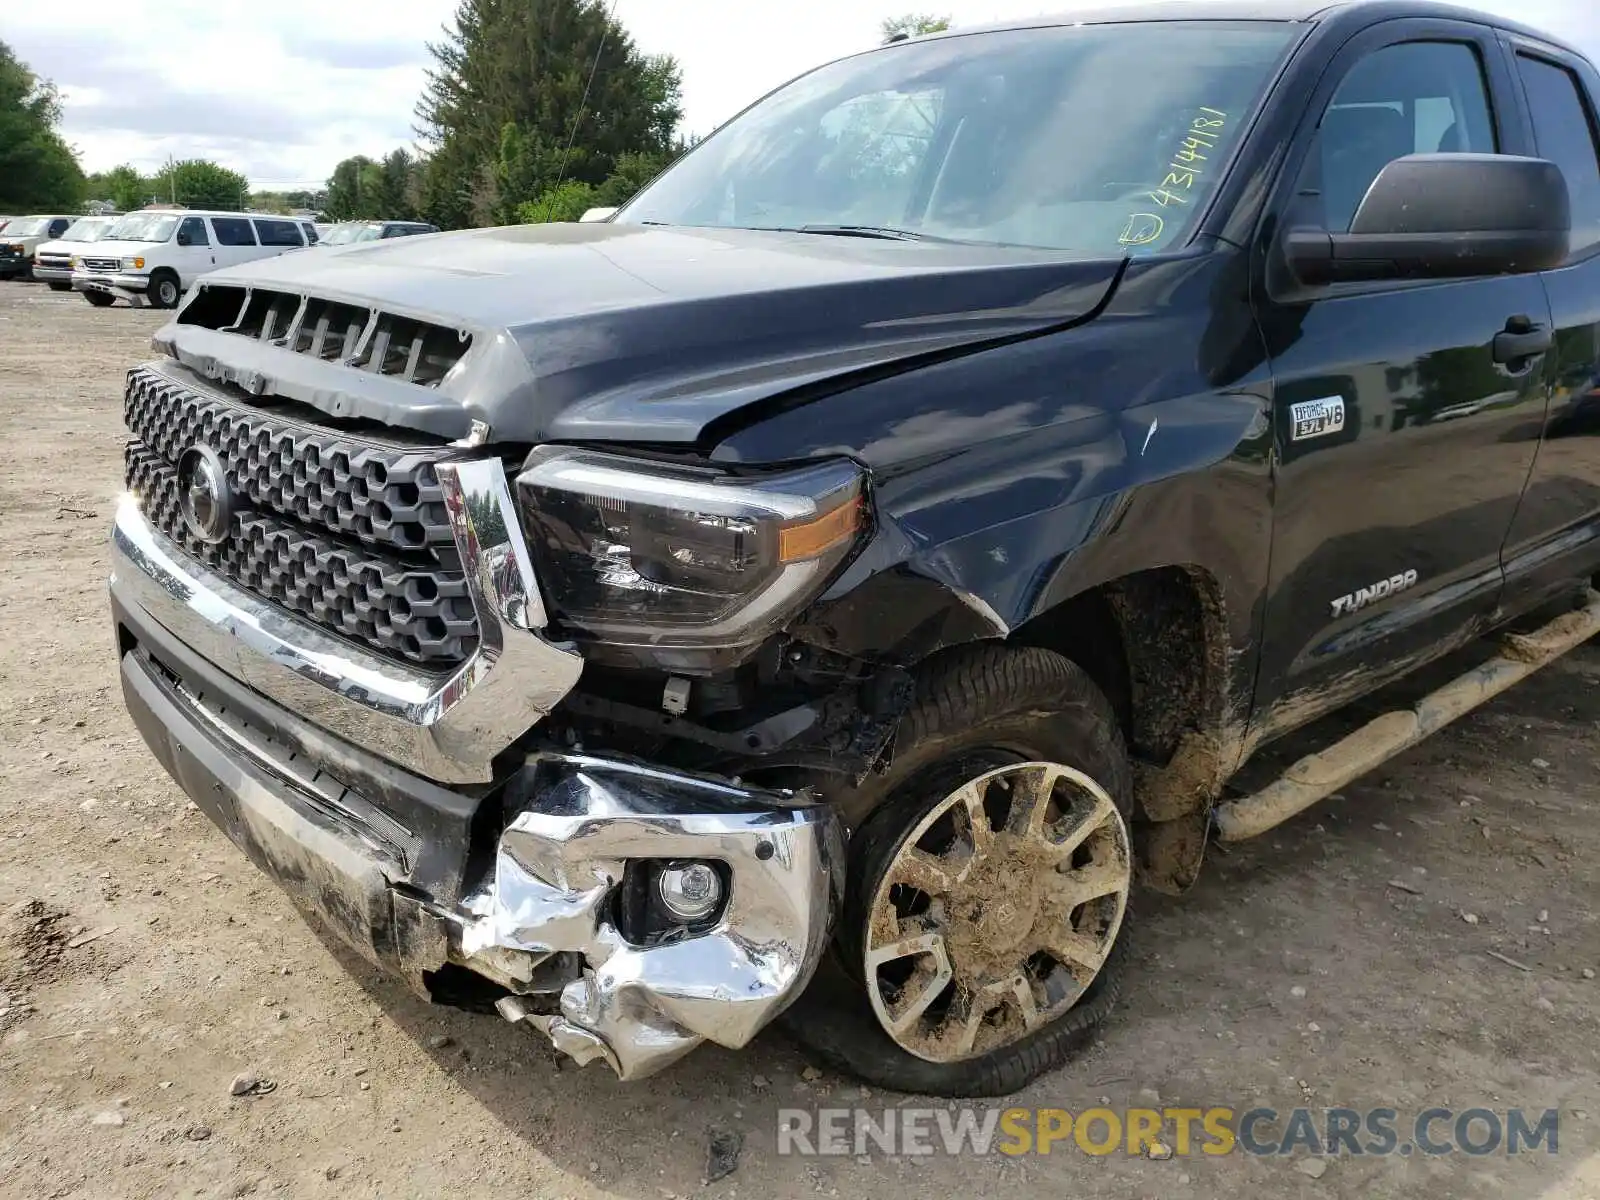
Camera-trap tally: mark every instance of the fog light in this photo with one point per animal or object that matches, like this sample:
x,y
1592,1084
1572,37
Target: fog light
x,y
690,892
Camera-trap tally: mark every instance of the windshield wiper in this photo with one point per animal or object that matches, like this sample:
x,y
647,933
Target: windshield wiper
x,y
871,231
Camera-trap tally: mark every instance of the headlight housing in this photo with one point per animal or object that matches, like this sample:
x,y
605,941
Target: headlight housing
x,y
133,264
687,568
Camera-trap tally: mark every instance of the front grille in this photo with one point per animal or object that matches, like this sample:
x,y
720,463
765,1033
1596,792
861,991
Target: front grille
x,y
53,260
102,264
350,532
380,343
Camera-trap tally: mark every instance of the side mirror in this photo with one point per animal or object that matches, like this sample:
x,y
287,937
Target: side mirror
x,y
1445,216
183,238
598,214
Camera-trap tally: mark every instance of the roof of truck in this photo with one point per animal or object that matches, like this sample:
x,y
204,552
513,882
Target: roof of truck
x,y
1252,10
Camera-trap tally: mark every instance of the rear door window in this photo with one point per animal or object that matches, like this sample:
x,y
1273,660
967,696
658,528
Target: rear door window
x,y
1564,132
233,231
278,233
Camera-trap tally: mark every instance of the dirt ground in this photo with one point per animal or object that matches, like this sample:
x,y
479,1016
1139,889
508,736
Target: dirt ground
x,y
144,964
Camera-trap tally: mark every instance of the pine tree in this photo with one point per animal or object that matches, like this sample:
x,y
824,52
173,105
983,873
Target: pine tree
x,y
504,113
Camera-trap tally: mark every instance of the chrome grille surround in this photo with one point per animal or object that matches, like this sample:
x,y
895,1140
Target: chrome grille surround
x,y
446,726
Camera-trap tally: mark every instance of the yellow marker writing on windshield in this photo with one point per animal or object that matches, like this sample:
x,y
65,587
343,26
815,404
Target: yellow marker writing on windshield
x,y
1141,229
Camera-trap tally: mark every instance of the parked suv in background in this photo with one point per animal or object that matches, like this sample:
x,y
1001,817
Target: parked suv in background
x,y
817,590
52,261
348,232
153,255
22,237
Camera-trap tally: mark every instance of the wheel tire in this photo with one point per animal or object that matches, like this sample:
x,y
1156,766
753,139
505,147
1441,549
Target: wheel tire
x,y
971,706
165,291
57,286
99,299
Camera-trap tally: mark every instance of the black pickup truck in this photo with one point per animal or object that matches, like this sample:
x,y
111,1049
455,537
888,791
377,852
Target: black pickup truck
x,y
825,587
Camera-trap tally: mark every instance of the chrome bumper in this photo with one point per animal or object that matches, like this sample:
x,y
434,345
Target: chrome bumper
x,y
383,859
553,892
445,727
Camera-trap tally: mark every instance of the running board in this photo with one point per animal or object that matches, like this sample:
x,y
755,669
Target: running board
x,y
1318,775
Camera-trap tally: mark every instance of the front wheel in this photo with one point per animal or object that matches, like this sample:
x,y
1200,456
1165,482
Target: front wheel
x,y
164,290
99,299
981,935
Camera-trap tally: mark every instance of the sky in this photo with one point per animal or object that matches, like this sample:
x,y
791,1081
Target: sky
x,y
283,90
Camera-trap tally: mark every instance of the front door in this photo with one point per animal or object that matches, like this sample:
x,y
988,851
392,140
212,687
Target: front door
x,y
193,250
1406,428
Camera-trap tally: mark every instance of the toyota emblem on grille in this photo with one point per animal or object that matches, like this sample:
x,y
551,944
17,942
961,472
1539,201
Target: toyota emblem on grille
x,y
203,494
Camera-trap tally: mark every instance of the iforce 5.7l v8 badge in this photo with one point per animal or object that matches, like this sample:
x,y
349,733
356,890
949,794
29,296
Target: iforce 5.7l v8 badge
x,y
1316,418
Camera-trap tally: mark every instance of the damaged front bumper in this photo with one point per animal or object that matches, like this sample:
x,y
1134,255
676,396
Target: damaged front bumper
x,y
135,289
307,758
643,1002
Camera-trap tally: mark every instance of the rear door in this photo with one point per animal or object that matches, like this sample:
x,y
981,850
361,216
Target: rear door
x,y
277,236
1556,536
235,240
1405,433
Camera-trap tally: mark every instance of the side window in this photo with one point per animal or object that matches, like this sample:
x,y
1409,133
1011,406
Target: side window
x,y
193,232
278,233
311,233
1563,128
58,227
233,231
1409,98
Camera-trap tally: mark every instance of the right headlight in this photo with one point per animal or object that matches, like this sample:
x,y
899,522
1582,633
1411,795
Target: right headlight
x,y
682,563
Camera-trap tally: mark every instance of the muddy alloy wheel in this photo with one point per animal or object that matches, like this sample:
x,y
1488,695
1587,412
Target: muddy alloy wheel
x,y
991,728
997,911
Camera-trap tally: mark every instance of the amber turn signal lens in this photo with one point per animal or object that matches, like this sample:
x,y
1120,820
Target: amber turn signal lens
x,y
816,537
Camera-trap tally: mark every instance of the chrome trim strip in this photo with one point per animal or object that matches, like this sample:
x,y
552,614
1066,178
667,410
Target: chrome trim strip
x,y
444,727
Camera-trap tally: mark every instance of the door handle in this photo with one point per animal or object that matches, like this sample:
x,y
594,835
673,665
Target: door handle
x,y
1521,340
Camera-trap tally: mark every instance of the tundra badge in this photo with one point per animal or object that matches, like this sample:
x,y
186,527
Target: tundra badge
x,y
1359,599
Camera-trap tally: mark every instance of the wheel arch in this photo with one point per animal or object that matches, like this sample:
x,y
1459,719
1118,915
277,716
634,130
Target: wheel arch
x,y
1156,643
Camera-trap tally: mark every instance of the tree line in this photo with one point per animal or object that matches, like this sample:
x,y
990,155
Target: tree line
x,y
533,110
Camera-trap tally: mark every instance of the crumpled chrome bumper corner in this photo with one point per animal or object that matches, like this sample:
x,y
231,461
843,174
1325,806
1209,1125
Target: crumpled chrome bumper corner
x,y
553,890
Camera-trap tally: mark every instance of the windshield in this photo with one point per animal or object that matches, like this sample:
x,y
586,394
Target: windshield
x,y
89,229
28,226
351,231
142,227
1088,138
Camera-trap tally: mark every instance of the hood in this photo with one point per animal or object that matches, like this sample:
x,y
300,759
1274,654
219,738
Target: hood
x,y
111,249
644,334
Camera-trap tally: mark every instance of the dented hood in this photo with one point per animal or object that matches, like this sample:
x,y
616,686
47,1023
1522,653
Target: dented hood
x,y
647,334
